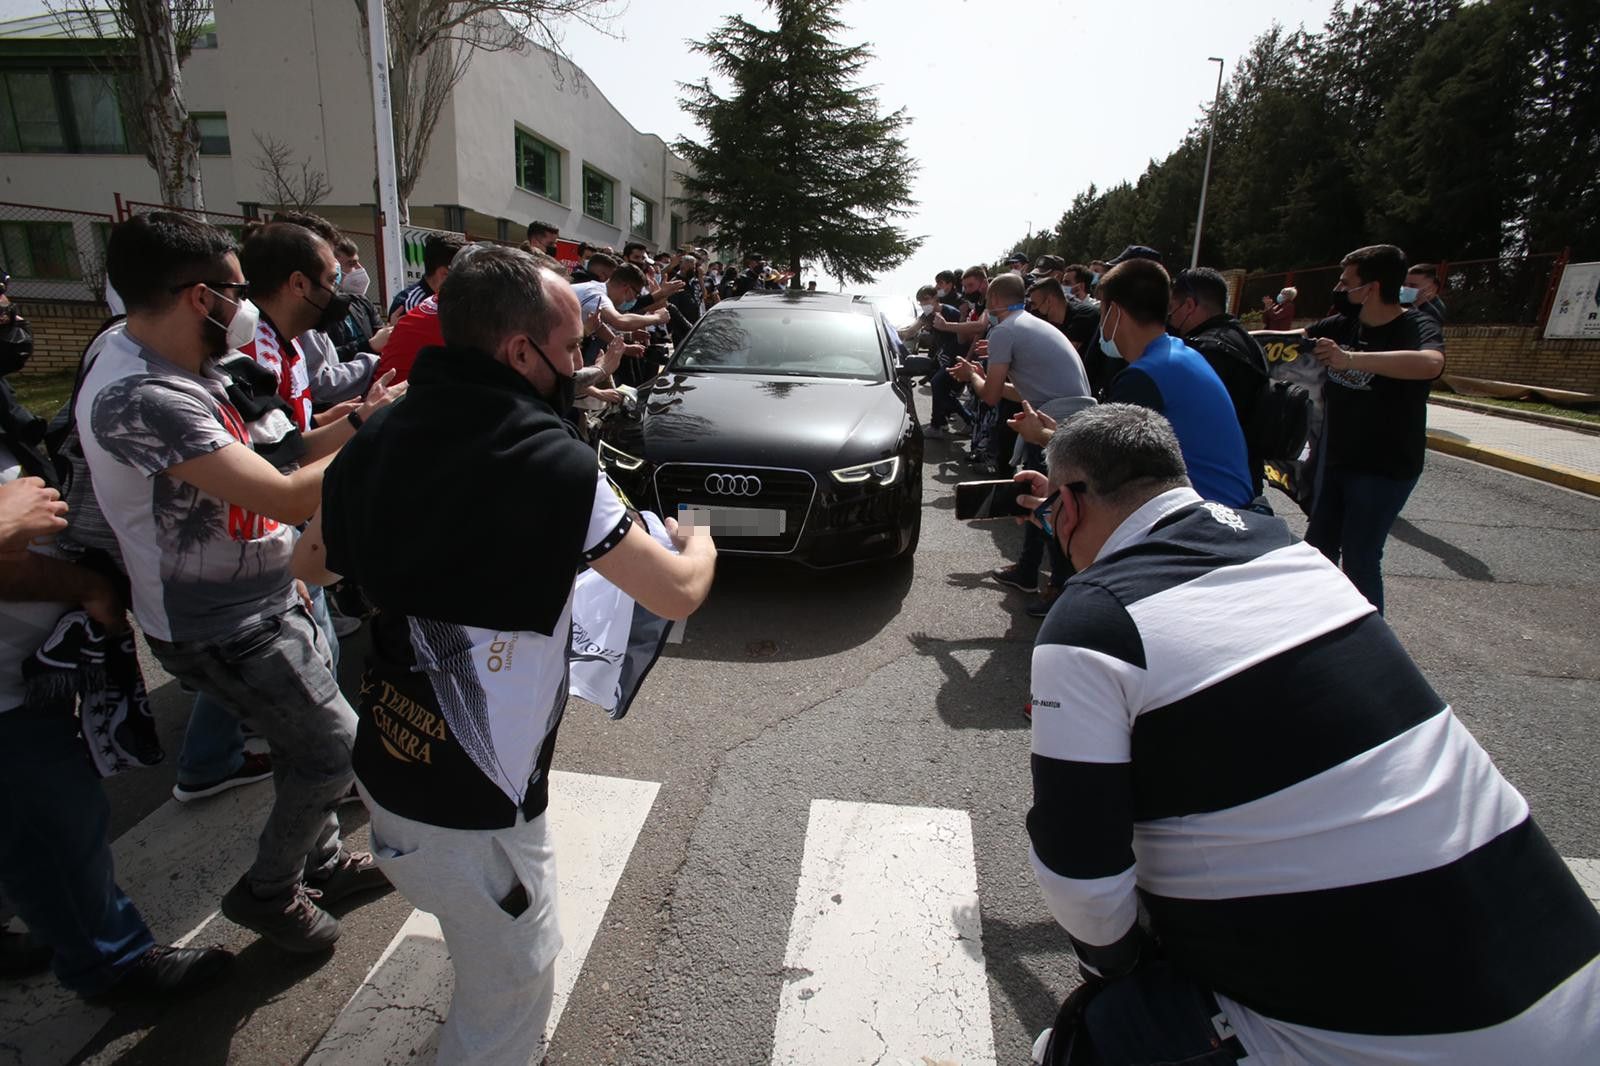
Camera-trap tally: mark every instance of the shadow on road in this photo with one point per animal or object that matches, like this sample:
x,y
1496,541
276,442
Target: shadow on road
x,y
199,1031
782,612
991,693
1007,948
1460,562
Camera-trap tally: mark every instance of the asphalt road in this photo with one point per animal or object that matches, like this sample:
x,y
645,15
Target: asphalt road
x,y
905,685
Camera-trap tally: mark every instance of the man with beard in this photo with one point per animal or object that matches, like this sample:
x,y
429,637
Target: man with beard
x,y
204,525
542,237
467,683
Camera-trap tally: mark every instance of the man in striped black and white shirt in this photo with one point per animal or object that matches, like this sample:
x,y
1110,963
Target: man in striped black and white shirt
x,y
1228,738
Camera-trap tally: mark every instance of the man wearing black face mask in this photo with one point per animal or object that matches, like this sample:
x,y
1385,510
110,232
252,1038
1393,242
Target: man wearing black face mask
x,y
294,280
543,236
483,655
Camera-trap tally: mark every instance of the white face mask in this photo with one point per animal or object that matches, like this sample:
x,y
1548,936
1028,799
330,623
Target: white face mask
x,y
242,330
356,282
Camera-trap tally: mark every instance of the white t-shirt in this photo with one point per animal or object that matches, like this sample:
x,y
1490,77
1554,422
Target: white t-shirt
x,y
592,297
24,625
201,568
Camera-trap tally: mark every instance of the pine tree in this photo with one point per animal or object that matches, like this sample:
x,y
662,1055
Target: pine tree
x,y
797,161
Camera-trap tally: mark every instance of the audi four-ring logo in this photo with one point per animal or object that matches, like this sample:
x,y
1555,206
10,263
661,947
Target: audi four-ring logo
x,y
733,484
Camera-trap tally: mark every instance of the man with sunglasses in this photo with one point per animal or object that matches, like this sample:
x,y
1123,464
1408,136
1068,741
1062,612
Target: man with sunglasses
x,y
1269,839
205,528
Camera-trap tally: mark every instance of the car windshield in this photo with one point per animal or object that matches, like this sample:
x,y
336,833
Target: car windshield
x,y
784,342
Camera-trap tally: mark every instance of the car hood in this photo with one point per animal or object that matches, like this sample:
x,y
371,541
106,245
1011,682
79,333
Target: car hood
x,y
763,421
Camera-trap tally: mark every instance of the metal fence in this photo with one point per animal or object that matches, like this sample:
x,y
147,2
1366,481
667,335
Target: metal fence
x,y
1505,291
366,243
52,253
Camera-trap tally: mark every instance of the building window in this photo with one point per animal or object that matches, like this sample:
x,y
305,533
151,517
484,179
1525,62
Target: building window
x,y
642,218
538,166
60,110
41,250
213,129
677,231
599,197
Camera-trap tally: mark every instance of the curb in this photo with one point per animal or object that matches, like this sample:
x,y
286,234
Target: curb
x,y
1554,421
1553,474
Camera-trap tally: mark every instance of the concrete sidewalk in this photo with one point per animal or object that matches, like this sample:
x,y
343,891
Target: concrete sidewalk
x,y
1560,456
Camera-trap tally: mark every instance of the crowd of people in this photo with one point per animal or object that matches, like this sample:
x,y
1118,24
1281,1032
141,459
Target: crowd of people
x,y
1237,768
1041,340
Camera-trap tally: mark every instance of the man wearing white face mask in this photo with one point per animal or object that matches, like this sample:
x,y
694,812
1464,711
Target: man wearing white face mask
x,y
205,528
362,329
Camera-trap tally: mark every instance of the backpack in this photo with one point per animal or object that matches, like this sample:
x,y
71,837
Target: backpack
x,y
1279,421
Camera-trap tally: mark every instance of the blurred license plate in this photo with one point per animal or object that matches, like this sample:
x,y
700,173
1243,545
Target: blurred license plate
x,y
736,521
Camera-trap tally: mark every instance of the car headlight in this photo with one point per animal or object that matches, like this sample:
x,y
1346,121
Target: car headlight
x,y
618,458
882,472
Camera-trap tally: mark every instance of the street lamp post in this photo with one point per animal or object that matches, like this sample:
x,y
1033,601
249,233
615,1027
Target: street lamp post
x,y
1205,179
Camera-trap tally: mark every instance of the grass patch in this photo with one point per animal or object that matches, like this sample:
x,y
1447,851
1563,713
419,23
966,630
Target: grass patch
x,y
43,393
1533,407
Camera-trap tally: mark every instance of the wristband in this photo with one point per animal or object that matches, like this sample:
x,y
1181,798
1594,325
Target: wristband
x,y
354,419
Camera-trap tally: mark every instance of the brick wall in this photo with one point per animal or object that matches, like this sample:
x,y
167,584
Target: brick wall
x,y
1519,354
61,330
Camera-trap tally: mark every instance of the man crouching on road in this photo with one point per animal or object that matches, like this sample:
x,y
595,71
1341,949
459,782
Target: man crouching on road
x,y
1227,736
465,514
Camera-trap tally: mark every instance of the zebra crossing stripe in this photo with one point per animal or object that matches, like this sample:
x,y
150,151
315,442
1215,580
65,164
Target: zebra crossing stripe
x,y
394,1016
885,956
1587,871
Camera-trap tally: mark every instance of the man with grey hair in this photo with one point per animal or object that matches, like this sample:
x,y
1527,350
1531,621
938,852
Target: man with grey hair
x,y
1268,837
467,682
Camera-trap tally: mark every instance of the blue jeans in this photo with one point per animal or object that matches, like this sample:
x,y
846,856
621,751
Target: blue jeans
x,y
1351,521
55,853
213,745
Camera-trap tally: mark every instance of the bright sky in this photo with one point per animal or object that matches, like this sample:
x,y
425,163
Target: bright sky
x,y
1129,78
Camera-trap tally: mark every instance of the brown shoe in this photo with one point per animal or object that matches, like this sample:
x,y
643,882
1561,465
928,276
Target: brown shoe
x,y
355,872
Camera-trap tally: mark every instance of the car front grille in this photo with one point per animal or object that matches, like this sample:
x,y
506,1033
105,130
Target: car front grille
x,y
790,490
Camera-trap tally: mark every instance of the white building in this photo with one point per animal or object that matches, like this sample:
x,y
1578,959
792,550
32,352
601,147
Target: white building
x,y
517,141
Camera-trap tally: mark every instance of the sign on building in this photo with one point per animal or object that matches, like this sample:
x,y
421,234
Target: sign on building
x,y
1576,312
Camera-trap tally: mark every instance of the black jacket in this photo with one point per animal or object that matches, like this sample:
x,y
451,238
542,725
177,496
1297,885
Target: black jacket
x,y
1241,363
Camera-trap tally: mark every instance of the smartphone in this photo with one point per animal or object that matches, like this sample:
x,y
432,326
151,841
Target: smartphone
x,y
981,501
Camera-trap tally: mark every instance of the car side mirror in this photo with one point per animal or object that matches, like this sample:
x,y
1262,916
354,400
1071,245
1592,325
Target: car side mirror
x,y
917,366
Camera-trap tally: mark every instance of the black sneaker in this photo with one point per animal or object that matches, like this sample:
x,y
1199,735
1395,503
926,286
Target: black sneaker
x,y
1041,608
1011,576
166,971
22,956
354,873
256,767
292,921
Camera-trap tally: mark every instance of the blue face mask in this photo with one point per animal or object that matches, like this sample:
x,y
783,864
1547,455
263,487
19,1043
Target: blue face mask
x,y
1107,345
1408,294
628,305
994,312
1094,277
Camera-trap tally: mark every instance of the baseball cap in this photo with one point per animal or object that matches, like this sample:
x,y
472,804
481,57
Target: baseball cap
x,y
1017,257
1135,251
1048,263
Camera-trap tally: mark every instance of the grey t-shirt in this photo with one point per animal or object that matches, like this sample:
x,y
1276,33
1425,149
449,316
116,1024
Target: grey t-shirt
x,y
201,568
1043,365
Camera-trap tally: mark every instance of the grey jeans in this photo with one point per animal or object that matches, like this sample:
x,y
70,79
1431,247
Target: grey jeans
x,y
278,675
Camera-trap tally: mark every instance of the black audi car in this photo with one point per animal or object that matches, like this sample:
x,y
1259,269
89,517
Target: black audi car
x,y
782,421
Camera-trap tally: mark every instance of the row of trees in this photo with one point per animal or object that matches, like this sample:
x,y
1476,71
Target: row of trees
x,y
1455,130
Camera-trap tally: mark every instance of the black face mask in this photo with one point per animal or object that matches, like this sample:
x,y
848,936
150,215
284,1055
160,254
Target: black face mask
x,y
1342,304
566,388
332,312
16,346
550,249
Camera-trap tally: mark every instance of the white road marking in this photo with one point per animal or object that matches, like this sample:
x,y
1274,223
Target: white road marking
x,y
1587,871
395,1014
175,865
885,957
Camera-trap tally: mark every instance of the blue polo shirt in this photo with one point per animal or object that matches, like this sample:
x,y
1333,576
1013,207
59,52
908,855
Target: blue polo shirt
x,y
1176,380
